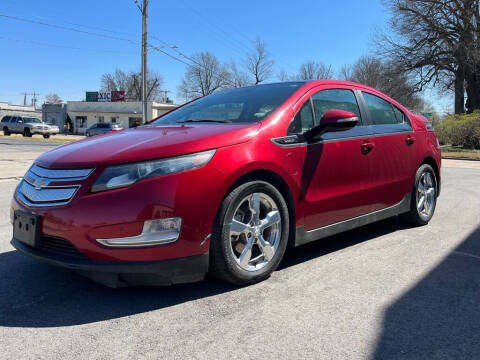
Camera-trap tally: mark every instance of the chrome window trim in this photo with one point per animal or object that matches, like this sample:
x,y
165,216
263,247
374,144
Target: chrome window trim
x,y
304,143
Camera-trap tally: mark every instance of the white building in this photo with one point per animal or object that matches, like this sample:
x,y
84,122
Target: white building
x,y
84,114
19,110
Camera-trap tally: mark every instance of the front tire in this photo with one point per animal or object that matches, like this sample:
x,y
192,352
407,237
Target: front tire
x,y
424,197
250,234
27,133
46,136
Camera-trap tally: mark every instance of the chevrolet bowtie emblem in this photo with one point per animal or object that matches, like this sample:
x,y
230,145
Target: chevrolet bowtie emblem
x,y
40,183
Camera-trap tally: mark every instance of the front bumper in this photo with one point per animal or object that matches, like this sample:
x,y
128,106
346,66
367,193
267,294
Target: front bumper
x,y
43,132
128,273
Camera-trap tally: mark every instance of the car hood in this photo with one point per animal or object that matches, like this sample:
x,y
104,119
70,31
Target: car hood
x,y
145,143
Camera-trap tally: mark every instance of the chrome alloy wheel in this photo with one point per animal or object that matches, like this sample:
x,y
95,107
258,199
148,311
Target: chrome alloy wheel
x,y
426,194
255,231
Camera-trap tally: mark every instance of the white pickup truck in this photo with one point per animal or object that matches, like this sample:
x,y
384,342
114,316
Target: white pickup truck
x,y
27,126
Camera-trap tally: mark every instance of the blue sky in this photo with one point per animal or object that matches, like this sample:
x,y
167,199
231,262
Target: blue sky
x,y
47,59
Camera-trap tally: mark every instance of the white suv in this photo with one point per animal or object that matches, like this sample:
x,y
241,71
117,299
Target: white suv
x,y
27,126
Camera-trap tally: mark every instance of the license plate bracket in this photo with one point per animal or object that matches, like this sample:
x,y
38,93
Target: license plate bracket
x,y
26,227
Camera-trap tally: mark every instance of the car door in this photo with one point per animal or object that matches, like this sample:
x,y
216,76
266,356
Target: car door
x,y
16,124
336,171
93,129
393,154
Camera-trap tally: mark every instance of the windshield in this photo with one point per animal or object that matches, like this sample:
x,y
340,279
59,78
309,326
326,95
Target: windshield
x,y
241,105
32,120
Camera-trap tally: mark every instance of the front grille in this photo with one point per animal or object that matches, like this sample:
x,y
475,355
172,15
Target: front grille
x,y
59,246
36,189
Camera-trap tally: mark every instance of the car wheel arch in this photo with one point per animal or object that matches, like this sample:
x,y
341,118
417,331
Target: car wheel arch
x,y
431,161
280,184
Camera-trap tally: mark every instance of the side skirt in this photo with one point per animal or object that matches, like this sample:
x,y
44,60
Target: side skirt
x,y
303,236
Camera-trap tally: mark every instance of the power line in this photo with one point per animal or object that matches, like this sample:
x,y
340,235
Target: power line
x,y
67,28
156,48
62,46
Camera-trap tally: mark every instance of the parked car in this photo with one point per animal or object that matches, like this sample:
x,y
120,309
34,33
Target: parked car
x,y
102,128
225,183
27,126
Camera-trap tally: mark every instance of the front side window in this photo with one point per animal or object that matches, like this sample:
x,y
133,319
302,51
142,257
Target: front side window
x,y
303,120
32,121
381,111
399,115
341,99
242,105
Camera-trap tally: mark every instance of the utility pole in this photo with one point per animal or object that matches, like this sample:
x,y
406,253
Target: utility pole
x,y
143,7
34,98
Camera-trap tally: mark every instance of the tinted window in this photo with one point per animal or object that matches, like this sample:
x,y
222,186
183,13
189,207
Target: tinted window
x,y
381,111
303,120
32,120
341,99
5,119
243,105
399,115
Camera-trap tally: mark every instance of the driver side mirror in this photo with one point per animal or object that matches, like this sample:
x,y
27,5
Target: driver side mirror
x,y
332,121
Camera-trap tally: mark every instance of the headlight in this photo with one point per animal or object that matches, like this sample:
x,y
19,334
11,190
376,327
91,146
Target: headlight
x,y
117,176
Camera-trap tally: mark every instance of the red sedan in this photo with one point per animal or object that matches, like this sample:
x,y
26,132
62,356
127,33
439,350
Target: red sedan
x,y
225,183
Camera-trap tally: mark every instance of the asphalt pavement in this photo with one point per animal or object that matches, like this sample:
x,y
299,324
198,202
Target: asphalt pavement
x,y
385,291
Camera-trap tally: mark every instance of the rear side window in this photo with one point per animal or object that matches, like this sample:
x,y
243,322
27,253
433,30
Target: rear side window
x,y
5,119
381,111
340,99
303,120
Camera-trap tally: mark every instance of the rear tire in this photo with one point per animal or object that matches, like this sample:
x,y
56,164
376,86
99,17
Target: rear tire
x,y
46,136
6,132
27,133
250,234
423,198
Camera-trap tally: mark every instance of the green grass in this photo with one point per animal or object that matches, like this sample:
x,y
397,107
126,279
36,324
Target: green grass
x,y
460,153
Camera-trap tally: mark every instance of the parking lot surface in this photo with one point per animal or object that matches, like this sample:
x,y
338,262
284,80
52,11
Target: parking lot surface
x,y
385,291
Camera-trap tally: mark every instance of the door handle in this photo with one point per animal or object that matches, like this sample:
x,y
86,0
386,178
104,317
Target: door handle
x,y
410,140
367,146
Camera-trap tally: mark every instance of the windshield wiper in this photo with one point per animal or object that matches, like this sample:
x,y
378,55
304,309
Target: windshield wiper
x,y
204,120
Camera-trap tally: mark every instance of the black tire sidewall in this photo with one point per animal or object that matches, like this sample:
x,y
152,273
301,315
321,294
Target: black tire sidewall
x,y
228,207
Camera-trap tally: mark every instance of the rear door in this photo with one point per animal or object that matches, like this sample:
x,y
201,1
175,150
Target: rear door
x,y
393,155
336,173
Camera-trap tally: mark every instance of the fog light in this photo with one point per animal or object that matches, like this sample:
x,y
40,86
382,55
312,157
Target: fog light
x,y
155,232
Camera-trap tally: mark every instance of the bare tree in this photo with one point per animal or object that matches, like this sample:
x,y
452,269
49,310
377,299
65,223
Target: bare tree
x,y
237,77
386,77
315,70
259,65
53,99
204,76
131,83
437,42
283,75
